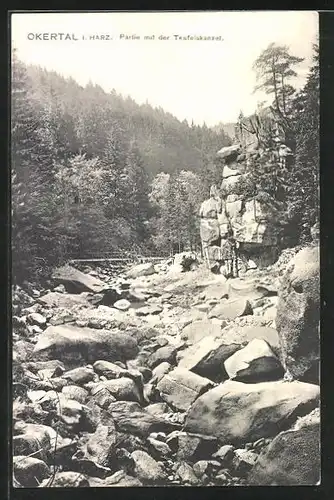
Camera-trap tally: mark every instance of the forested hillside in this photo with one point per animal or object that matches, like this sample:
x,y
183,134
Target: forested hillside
x,y
94,172
86,167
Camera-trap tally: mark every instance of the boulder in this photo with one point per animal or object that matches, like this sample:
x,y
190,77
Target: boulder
x,y
70,343
225,454
44,435
241,334
158,447
147,469
109,370
61,300
180,388
130,418
62,316
123,389
198,330
238,413
298,315
151,309
29,444
119,479
70,411
138,294
66,479
100,445
253,363
161,355
292,459
158,408
206,357
139,270
216,291
37,319
159,371
80,375
30,471
192,447
76,281
101,397
75,392
54,366
228,152
231,309
187,475
244,461
122,305
249,289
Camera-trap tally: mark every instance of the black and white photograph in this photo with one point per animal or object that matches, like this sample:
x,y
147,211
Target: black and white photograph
x,y
165,215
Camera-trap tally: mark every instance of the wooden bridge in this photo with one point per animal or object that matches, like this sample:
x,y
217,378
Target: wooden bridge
x,y
119,260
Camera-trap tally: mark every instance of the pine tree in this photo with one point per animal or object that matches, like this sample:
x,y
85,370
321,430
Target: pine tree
x,y
274,69
303,187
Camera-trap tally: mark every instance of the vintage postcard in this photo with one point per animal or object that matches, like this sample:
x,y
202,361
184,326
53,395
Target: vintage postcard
x,y
165,249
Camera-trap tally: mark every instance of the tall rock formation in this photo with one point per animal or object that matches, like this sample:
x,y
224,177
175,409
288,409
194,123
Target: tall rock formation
x,y
242,213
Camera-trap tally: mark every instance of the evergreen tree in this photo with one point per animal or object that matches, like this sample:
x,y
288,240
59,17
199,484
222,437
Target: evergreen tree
x,y
303,186
33,207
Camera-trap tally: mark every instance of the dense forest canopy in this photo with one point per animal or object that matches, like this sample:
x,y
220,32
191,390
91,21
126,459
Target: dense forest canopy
x,y
94,172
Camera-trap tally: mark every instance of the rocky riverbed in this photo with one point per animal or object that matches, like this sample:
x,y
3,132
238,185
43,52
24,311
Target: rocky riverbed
x,y
163,375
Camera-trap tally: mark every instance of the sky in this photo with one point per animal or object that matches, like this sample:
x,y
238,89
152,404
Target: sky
x,y
200,80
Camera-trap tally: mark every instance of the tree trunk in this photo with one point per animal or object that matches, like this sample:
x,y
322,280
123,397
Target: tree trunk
x,y
283,96
275,85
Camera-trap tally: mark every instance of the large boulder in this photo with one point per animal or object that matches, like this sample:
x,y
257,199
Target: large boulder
x,y
216,291
147,469
161,355
292,459
242,335
131,418
61,300
70,343
247,288
139,270
298,315
180,388
66,479
254,362
231,309
123,389
30,471
228,152
206,357
238,413
119,478
76,281
191,447
200,329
